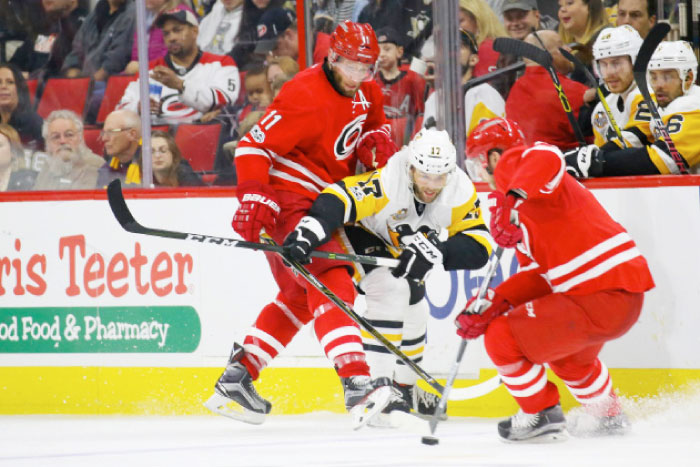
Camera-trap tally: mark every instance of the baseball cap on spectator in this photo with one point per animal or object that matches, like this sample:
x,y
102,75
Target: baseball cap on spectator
x,y
388,35
271,25
179,13
526,5
468,40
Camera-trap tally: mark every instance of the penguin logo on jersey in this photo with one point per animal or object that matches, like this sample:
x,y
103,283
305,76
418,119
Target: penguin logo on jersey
x,y
402,214
600,119
346,141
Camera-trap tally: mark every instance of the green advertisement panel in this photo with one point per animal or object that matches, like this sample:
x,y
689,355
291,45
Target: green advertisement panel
x,y
148,329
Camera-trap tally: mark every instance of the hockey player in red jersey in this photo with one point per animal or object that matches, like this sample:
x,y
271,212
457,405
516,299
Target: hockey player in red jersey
x,y
580,283
322,122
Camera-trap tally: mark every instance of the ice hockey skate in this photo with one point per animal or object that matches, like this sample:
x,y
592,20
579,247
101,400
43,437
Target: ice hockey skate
x,y
603,419
234,394
546,426
421,403
365,398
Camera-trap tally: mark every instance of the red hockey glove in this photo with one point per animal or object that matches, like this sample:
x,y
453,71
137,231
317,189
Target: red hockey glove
x,y
375,148
471,323
505,227
259,209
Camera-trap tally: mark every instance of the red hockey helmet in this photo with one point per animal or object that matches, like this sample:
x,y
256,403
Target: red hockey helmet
x,y
355,41
497,133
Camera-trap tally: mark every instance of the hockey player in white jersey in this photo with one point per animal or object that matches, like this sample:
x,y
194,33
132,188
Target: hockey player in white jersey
x,y
402,210
614,52
672,71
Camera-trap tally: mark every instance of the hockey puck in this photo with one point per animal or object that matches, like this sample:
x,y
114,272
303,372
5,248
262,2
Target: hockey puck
x,y
429,440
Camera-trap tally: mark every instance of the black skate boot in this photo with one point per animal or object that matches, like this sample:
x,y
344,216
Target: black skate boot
x,y
421,403
234,394
365,398
545,426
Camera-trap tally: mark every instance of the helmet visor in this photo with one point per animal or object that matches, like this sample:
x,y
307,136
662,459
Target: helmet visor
x,y
356,71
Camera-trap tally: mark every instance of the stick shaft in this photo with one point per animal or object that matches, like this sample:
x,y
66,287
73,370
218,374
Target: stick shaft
x,y
130,224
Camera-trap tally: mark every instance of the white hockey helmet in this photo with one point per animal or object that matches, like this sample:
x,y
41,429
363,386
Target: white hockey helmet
x,y
617,42
675,55
432,152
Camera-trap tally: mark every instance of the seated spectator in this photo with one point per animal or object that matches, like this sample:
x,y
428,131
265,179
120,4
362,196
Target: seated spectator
x,y
227,169
219,28
169,167
479,19
580,21
640,14
521,17
12,176
42,54
156,44
535,89
403,90
247,37
277,83
481,102
71,165
412,20
102,47
122,138
277,34
192,82
257,89
16,108
672,73
281,65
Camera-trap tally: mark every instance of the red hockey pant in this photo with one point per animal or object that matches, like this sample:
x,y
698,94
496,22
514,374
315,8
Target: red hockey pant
x,y
566,332
298,302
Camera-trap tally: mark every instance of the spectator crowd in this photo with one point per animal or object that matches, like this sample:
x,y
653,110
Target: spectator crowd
x,y
215,66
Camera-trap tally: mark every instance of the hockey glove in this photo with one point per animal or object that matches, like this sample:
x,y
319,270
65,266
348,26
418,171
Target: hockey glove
x,y
584,161
259,209
472,323
422,251
375,148
505,227
308,235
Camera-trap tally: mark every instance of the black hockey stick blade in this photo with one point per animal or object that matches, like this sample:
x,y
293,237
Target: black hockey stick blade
x,y
520,48
513,67
579,65
651,42
130,224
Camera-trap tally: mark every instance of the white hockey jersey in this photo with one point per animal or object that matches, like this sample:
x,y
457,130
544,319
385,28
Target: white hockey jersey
x,y
382,200
482,102
626,111
213,81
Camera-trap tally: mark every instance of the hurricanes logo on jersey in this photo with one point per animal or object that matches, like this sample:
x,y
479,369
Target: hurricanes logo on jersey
x,y
346,141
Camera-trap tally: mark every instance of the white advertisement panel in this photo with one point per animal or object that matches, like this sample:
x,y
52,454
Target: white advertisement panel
x,y
76,289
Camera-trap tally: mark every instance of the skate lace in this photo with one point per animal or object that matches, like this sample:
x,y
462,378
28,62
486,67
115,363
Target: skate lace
x,y
524,420
425,398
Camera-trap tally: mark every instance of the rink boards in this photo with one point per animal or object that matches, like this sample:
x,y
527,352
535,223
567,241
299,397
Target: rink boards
x,y
95,320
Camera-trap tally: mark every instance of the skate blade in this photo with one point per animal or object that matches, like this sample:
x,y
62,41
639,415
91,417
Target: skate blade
x,y
557,436
228,408
370,406
398,420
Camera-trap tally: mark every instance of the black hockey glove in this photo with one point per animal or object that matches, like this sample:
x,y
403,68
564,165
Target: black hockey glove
x,y
584,161
309,234
422,251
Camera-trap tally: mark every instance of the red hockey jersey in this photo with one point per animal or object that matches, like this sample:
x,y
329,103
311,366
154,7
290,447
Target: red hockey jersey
x,y
403,102
306,139
570,243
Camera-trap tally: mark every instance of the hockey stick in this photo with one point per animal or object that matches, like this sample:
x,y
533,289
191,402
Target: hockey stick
x,y
544,59
127,221
578,64
442,407
651,42
517,66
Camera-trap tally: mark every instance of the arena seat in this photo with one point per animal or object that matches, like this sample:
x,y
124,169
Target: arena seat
x,y
116,85
64,94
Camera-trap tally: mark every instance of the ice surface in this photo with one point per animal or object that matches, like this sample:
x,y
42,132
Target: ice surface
x,y
665,432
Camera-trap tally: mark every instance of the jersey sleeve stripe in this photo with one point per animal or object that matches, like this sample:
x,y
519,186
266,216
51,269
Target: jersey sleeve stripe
x,y
285,176
301,169
338,190
251,151
588,255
